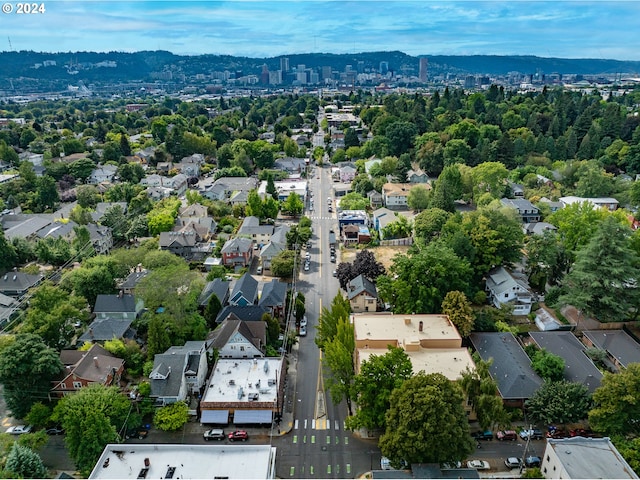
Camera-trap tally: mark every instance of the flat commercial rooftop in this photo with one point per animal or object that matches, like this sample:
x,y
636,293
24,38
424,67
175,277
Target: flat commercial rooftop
x,y
378,326
240,380
122,461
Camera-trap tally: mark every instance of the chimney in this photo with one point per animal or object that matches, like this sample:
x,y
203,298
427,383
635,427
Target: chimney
x,y
420,325
95,362
407,321
120,294
147,462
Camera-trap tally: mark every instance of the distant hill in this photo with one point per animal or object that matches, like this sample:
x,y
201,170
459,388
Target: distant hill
x,y
70,67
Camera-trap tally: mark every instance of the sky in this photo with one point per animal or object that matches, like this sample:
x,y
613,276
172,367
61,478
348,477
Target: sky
x,y
546,28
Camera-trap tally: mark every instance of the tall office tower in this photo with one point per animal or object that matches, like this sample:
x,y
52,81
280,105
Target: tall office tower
x,y
264,75
284,64
327,72
422,73
384,68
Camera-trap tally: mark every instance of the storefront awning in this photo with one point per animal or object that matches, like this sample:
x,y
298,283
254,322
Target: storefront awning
x,y
252,416
220,417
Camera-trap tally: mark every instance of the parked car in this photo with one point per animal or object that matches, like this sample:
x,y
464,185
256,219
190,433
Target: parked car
x,y
303,331
238,435
335,273
57,430
303,322
531,462
139,433
332,258
19,429
512,462
450,465
534,434
506,435
307,266
259,270
478,464
483,435
214,434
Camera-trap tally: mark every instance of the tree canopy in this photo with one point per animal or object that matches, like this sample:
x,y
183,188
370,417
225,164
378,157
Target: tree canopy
x,y
559,402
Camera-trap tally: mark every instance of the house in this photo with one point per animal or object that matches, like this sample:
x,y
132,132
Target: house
x,y
362,295
185,461
375,199
178,243
553,206
517,190
144,156
245,291
621,348
24,225
251,228
64,230
103,207
528,212
121,305
225,187
417,176
251,390
578,366
101,238
177,185
580,457
248,313
510,368
131,281
509,288
16,284
190,166
239,198
237,251
273,298
291,164
597,202
178,372
370,163
83,368
381,218
286,188
204,227
217,287
537,228
194,211
396,195
102,173
8,306
277,243
347,173
355,234
104,329
239,339
352,217
546,321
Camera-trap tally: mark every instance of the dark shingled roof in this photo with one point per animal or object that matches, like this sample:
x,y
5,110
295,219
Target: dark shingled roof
x,y
359,285
217,287
250,313
618,343
254,332
115,303
103,329
247,287
578,367
274,294
511,367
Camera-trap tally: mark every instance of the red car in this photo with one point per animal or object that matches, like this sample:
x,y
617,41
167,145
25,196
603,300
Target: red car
x,y
238,435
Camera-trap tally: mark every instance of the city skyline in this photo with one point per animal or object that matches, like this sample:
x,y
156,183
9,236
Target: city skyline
x,y
564,29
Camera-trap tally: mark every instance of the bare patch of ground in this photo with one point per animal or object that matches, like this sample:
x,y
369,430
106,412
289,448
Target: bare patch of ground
x,y
383,255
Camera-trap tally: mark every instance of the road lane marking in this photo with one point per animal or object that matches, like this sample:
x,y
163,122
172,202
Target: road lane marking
x,y
328,439
313,424
337,425
295,439
346,440
328,469
304,439
311,470
348,468
305,423
296,424
337,440
292,471
313,439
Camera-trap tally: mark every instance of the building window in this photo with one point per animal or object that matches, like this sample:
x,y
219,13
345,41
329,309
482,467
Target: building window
x,y
506,295
77,385
547,458
242,348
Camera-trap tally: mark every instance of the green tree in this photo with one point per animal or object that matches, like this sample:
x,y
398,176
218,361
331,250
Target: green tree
x,y
428,223
329,318
158,340
8,254
372,386
46,193
559,402
458,308
489,177
39,415
115,219
602,282
92,418
481,391
448,189
577,223
87,195
353,201
27,367
25,463
254,205
271,187
282,264
91,282
80,215
401,227
549,366
419,281
171,417
418,198
212,310
293,205
81,169
401,136
338,358
426,422
616,408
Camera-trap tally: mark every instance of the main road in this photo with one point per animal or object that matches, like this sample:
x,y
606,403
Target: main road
x,y
319,446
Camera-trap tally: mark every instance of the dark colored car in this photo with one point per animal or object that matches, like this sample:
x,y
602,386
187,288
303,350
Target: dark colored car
x,y
531,462
57,430
486,435
139,433
214,434
238,435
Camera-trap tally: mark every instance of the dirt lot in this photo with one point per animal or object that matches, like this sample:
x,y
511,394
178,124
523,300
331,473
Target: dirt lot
x,y
383,254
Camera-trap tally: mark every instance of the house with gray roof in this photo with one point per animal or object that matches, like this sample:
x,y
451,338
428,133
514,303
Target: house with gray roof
x,y
273,298
102,173
121,306
510,368
16,284
131,281
291,164
417,176
517,190
217,287
249,313
8,307
179,243
621,348
58,230
578,366
511,288
195,210
375,199
251,228
239,339
527,211
245,291
178,372
24,225
104,329
103,207
101,238
580,457
362,295
537,228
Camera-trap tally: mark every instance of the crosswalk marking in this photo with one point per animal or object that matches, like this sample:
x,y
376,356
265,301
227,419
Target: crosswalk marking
x,y
292,471
348,468
319,424
295,425
305,423
295,439
337,425
346,440
313,439
313,424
